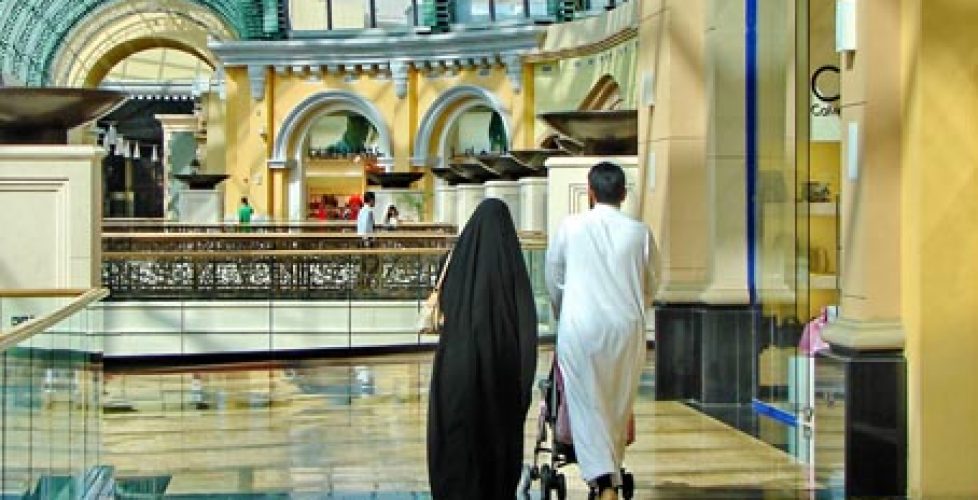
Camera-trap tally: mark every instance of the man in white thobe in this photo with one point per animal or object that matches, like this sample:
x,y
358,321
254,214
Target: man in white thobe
x,y
600,283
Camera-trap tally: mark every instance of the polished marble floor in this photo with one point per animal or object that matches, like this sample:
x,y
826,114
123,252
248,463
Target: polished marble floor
x,y
355,428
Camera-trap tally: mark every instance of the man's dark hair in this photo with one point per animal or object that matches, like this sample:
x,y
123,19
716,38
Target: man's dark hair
x,y
244,199
368,197
607,181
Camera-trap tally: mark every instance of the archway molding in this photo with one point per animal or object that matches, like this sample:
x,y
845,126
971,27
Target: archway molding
x,y
432,138
287,148
115,31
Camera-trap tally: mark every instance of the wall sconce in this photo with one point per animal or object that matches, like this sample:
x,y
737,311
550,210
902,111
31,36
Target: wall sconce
x,y
845,25
263,133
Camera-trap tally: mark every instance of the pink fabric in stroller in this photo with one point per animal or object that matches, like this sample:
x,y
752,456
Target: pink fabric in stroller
x,y
562,430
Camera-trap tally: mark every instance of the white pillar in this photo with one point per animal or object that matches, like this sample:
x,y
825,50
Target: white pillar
x,y
469,196
51,215
172,124
446,204
567,186
509,193
533,204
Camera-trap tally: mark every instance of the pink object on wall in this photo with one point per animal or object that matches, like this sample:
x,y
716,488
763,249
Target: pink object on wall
x,y
811,338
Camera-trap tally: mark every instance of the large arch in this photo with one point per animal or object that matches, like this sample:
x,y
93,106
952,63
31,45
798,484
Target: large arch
x,y
429,145
115,31
59,42
287,148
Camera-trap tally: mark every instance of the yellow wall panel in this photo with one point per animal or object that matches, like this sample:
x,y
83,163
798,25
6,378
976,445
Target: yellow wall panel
x,y
940,246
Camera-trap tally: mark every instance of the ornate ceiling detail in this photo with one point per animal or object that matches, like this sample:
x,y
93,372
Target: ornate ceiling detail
x,y
33,33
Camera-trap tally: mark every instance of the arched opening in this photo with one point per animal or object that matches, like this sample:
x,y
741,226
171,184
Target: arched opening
x,y
437,134
477,130
337,152
310,136
115,31
138,167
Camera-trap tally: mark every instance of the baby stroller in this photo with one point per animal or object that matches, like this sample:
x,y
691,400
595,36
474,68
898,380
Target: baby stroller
x,y
553,483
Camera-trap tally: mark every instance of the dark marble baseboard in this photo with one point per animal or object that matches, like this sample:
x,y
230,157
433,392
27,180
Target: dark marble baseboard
x,y
705,353
873,420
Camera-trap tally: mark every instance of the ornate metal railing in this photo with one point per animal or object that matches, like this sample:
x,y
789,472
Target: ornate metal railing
x,y
268,266
158,226
357,274
266,242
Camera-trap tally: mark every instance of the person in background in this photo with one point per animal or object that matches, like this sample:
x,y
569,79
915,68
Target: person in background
x,y
391,219
600,282
484,367
365,218
245,211
354,204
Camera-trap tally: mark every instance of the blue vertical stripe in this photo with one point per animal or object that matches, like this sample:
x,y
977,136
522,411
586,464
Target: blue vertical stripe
x,y
751,115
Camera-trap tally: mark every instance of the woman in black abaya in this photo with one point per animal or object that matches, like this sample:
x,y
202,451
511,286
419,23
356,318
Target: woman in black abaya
x,y
484,367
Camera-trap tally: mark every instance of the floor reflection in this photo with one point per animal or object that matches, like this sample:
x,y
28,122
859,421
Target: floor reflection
x,y
355,428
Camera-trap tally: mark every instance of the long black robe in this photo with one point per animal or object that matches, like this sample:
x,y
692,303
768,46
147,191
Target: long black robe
x,y
485,363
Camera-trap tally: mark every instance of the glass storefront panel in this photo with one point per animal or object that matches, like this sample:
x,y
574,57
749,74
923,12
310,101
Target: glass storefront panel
x,y
796,133
781,235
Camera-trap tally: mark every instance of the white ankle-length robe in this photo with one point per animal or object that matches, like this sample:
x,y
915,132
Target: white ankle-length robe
x,y
600,276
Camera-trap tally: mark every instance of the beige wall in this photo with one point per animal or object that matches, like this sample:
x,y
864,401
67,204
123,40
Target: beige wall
x,y
51,213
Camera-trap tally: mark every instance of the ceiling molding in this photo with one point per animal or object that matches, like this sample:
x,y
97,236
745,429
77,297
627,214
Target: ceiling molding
x,y
381,50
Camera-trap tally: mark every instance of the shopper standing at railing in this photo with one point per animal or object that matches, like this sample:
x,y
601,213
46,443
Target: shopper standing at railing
x,y
365,219
245,211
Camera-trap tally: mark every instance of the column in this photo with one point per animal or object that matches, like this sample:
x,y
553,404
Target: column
x,y
174,126
868,338
51,215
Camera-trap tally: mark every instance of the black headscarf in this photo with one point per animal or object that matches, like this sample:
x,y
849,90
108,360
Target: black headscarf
x,y
484,367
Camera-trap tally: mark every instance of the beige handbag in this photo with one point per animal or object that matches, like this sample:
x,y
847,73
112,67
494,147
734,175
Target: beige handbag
x,y
430,319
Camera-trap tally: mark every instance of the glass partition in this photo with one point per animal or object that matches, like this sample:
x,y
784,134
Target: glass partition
x,y
50,374
795,206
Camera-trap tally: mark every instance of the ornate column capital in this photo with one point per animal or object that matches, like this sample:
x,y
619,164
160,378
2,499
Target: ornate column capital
x,y
399,73
256,77
514,70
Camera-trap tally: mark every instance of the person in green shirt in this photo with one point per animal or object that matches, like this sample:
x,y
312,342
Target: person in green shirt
x,y
245,211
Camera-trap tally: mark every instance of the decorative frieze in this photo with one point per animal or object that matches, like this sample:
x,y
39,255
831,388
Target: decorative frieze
x,y
394,54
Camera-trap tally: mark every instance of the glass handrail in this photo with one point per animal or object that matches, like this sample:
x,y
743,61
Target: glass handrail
x,y
50,394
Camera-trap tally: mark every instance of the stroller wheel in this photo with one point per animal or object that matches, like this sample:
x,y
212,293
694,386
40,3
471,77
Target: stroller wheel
x,y
561,486
627,485
546,476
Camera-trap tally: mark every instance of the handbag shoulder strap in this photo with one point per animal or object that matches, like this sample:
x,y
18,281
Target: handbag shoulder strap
x,y
444,271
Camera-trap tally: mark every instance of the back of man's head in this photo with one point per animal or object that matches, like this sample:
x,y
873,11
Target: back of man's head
x,y
368,198
606,181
